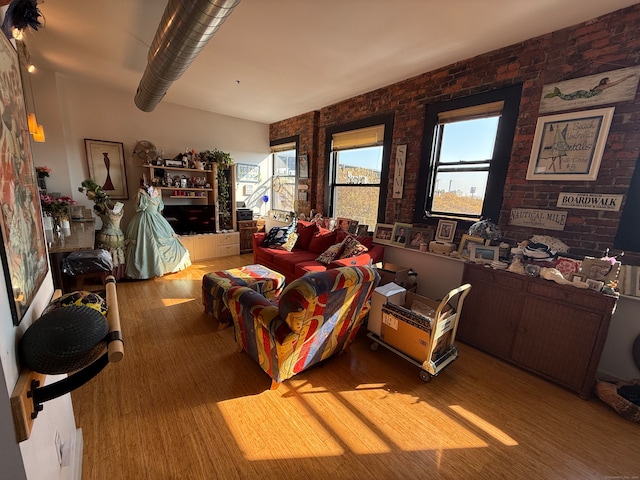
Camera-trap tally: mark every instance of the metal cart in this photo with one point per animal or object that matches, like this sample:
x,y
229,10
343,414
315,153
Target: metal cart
x,y
439,350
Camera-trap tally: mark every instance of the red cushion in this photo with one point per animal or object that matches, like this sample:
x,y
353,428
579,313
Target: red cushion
x,y
305,231
321,241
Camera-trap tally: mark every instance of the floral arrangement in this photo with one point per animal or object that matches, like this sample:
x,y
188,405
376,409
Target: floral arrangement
x,y
43,171
102,203
56,207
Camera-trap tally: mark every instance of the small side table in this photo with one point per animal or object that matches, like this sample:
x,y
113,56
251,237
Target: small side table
x,y
257,277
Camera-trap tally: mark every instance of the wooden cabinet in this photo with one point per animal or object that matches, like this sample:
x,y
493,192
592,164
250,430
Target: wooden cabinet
x,y
203,247
556,331
247,228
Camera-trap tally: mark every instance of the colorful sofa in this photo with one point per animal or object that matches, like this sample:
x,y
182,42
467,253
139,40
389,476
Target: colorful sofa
x,y
315,317
312,241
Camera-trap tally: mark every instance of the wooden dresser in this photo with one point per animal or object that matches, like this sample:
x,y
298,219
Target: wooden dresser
x,y
246,229
556,331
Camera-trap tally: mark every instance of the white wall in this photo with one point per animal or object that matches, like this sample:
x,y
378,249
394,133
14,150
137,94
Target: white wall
x,y
70,112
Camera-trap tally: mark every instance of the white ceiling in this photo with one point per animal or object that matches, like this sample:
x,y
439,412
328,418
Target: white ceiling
x,y
274,59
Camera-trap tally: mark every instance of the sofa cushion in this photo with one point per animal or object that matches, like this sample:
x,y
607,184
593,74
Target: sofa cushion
x,y
279,235
366,240
291,241
305,232
351,247
330,253
322,240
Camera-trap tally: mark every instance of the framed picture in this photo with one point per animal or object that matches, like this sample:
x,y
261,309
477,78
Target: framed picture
x,y
420,236
343,224
353,226
577,278
23,250
483,253
106,167
569,146
363,230
247,173
600,270
467,240
400,234
383,233
303,166
446,230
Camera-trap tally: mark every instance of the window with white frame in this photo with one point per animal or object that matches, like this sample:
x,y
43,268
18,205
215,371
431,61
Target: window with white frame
x,y
283,182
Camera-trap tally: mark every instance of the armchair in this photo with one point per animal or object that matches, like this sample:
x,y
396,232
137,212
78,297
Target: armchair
x,y
316,316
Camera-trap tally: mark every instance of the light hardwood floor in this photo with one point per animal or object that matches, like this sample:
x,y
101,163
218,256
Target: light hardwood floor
x,y
184,405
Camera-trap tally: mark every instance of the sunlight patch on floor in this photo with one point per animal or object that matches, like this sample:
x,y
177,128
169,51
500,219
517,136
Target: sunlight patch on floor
x,y
169,302
318,422
484,425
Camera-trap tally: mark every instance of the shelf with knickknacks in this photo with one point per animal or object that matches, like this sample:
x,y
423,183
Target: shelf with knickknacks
x,y
110,237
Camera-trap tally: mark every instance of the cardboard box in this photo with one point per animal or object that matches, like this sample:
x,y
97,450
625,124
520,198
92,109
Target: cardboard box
x,y
411,333
390,272
391,293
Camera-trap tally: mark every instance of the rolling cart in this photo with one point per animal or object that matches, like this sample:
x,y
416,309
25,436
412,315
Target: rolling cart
x,y
424,342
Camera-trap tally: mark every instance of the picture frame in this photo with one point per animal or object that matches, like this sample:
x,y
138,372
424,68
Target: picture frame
x,y
483,253
343,224
577,278
600,270
353,226
446,230
383,233
466,241
569,146
363,230
23,251
420,236
303,166
106,167
247,173
400,233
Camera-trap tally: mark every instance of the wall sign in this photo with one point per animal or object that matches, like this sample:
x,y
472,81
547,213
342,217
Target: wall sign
x,y
528,217
398,176
590,201
604,88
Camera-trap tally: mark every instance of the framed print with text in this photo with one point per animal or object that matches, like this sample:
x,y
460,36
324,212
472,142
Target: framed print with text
x,y
569,146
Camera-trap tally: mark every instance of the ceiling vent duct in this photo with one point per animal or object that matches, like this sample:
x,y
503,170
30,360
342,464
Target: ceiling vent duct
x,y
185,28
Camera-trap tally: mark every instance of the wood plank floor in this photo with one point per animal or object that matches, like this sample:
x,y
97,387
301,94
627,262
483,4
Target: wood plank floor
x,y
184,405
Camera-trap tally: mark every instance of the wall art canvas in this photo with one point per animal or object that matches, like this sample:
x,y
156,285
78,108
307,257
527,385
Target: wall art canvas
x,y
24,254
106,167
603,88
569,146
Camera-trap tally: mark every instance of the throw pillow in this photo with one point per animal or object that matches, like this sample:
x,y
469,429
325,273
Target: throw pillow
x,y
351,247
322,240
279,235
305,234
291,241
330,254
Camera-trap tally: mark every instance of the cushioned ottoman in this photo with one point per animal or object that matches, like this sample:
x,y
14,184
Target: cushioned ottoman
x,y
257,277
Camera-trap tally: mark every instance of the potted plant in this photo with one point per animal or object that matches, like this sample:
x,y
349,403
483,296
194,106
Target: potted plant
x,y
223,160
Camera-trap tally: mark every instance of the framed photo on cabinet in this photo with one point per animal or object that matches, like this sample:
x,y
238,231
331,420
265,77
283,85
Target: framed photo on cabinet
x,y
106,167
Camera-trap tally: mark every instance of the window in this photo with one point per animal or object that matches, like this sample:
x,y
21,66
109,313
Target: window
x,y
466,149
359,159
283,181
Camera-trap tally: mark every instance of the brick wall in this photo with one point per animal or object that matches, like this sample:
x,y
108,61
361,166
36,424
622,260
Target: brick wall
x,y
607,43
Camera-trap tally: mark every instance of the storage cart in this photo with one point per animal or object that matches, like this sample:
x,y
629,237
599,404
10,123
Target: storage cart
x,y
425,342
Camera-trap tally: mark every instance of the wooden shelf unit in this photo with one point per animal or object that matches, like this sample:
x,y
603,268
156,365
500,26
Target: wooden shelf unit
x,y
556,331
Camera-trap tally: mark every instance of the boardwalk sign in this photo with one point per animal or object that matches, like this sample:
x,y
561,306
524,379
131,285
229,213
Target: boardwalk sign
x,y
590,201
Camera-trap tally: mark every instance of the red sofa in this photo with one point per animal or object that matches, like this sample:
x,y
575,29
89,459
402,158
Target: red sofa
x,y
312,241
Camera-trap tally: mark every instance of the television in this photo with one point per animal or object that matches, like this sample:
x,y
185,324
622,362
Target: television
x,y
191,219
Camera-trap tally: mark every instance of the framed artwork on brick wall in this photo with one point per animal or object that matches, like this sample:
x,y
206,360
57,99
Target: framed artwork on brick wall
x,y
569,146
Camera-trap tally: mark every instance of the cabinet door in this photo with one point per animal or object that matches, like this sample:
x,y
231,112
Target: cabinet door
x,y
557,340
491,311
204,246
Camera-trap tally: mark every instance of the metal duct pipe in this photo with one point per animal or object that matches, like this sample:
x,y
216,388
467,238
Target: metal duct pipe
x,y
185,28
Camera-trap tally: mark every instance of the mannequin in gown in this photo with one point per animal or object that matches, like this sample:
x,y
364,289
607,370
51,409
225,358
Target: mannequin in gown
x,y
153,249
